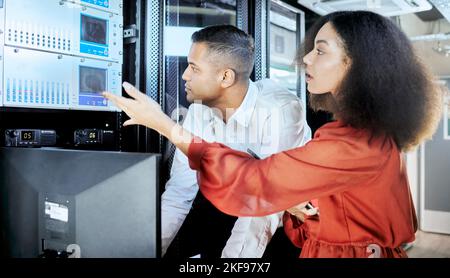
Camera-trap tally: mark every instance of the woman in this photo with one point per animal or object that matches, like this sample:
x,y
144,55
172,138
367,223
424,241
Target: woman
x,y
360,67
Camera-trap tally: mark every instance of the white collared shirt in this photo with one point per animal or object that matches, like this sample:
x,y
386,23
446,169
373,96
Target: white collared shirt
x,y
269,120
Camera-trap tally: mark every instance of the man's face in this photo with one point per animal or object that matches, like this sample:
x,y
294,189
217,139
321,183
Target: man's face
x,y
203,78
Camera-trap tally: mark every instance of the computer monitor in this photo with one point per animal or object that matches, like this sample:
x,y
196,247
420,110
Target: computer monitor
x,y
107,203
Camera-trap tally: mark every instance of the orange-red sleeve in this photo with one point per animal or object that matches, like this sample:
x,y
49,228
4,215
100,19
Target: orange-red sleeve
x,y
294,229
240,185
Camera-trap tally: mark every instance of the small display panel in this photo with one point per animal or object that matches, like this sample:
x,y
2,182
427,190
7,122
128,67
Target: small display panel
x,y
93,29
57,211
92,135
27,135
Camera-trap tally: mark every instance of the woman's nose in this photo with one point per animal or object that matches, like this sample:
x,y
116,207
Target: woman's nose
x,y
307,59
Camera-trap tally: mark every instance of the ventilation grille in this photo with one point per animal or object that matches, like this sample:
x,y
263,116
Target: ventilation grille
x,y
54,41
24,92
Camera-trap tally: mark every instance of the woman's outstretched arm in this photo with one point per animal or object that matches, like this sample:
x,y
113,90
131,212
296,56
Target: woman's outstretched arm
x,y
238,184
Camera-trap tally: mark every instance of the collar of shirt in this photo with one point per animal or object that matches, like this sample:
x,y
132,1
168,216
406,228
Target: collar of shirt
x,y
244,112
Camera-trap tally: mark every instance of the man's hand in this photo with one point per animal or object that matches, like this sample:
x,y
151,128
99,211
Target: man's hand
x,y
141,109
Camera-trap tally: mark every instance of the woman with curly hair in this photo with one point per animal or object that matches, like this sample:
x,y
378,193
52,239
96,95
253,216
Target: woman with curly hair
x,y
361,68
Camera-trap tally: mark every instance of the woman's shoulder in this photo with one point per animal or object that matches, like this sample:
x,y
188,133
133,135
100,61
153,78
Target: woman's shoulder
x,y
341,134
339,130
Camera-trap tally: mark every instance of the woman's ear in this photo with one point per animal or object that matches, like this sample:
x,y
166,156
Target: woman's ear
x,y
228,78
347,61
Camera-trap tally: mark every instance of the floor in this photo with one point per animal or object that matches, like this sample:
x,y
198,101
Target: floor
x,y
430,245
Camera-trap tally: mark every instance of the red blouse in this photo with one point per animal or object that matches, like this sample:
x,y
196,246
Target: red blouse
x,y
359,180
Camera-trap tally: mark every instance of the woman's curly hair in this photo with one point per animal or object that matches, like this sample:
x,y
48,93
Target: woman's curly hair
x,y
386,89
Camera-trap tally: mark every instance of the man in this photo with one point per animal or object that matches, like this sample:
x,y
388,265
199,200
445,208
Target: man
x,y
260,118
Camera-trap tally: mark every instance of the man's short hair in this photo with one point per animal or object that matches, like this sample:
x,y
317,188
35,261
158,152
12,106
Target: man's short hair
x,y
232,46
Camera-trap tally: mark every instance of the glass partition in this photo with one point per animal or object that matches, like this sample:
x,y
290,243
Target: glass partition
x,y
285,32
182,19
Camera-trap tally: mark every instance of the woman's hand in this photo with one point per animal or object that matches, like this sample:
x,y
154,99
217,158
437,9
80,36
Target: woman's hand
x,y
301,211
142,110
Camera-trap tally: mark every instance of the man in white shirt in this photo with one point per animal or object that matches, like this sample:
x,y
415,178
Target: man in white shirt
x,y
260,118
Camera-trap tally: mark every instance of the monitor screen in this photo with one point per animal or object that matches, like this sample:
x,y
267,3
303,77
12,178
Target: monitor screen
x,y
93,29
106,203
92,80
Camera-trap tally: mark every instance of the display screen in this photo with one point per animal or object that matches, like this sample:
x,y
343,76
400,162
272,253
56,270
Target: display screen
x,y
93,29
93,135
92,80
27,135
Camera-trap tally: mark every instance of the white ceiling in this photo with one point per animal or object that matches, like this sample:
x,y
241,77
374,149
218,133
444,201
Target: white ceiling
x,y
383,7
414,27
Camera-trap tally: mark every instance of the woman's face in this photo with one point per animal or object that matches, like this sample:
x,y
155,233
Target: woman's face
x,y
327,64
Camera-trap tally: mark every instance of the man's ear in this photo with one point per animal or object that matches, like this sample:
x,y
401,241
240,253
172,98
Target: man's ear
x,y
228,78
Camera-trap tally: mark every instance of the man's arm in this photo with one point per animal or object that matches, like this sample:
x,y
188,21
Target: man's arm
x,y
180,191
176,201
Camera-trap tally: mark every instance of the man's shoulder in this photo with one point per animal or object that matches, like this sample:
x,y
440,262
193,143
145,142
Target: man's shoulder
x,y
273,95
